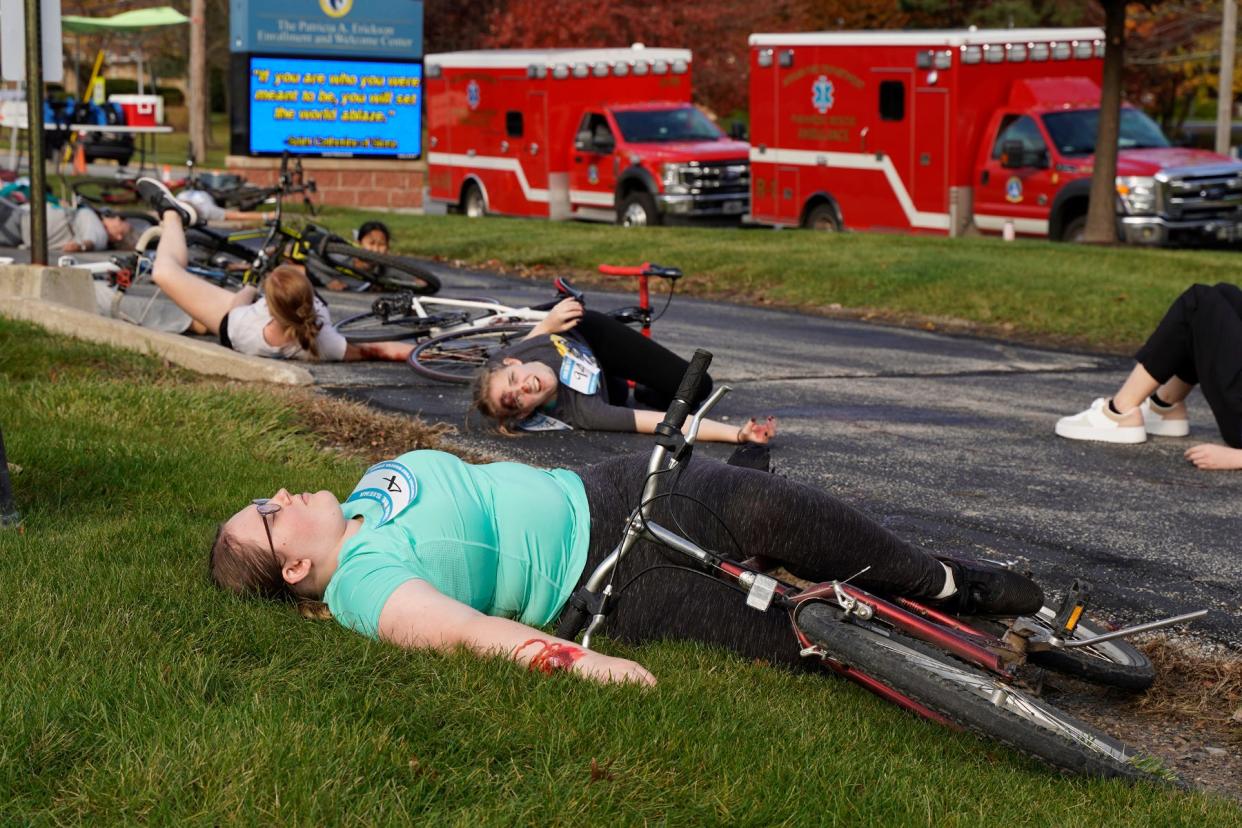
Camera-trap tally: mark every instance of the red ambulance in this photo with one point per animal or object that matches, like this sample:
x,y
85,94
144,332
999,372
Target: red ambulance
x,y
597,134
949,132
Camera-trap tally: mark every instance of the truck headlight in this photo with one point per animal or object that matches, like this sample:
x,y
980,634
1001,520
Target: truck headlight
x,y
1137,193
671,178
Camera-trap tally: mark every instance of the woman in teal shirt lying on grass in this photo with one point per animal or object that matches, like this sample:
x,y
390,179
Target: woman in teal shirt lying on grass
x,y
431,552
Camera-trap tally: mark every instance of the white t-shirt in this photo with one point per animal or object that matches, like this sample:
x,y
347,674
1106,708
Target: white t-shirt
x,y
245,330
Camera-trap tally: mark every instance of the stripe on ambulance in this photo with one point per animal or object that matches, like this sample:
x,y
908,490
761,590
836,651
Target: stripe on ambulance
x,y
512,165
856,161
484,162
1037,227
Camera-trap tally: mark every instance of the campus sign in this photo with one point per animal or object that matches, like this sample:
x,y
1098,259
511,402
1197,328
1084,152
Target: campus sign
x,y
391,29
327,77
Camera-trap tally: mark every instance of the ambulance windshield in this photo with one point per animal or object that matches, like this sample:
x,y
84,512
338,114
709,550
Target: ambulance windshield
x,y
1074,131
650,126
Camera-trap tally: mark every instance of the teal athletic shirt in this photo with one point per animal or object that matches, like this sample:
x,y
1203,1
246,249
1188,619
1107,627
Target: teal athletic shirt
x,y
507,539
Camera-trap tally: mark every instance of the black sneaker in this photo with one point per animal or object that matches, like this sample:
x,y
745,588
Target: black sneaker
x,y
986,589
161,199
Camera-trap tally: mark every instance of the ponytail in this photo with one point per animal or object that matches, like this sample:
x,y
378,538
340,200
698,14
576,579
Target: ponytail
x,y
291,301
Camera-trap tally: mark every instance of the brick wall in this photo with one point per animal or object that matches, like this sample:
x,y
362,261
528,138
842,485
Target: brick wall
x,y
347,182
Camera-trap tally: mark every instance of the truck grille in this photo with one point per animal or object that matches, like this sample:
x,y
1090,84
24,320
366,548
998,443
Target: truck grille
x,y
717,177
1203,193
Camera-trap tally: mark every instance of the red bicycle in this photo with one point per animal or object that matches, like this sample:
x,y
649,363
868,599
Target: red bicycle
x,y
980,674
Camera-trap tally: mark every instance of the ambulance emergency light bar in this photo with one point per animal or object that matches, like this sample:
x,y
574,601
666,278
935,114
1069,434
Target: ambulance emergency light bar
x,y
336,107
562,64
981,46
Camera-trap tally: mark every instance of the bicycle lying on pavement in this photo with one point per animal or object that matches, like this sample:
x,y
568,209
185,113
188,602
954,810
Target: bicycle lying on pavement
x,y
980,674
230,191
460,345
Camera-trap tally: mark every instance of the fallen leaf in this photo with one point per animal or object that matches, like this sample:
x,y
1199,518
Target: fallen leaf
x,y
599,771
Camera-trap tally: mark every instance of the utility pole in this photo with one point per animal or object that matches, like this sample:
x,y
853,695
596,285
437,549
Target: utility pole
x,y
1224,100
34,119
198,81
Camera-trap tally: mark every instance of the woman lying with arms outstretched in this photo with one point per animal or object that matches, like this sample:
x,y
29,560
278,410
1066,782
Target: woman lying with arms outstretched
x,y
431,552
573,369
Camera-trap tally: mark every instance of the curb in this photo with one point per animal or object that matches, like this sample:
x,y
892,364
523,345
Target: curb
x,y
197,355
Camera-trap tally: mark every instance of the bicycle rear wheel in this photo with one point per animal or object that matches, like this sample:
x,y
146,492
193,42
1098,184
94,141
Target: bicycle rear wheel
x,y
974,699
456,356
107,192
374,327
381,269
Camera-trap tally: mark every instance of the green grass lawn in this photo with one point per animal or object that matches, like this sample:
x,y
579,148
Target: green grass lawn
x,y
133,692
1100,297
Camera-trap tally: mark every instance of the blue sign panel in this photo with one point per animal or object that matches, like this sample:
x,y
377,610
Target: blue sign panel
x,y
328,28
335,107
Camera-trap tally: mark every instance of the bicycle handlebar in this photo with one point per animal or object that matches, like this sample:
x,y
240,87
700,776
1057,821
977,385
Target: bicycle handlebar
x,y
644,269
687,392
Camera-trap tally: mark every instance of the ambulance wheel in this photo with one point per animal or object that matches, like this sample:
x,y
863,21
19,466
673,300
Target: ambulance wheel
x,y
472,202
823,218
1074,230
638,210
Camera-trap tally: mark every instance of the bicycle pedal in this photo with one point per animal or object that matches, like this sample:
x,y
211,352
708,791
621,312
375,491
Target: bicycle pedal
x,y
1072,608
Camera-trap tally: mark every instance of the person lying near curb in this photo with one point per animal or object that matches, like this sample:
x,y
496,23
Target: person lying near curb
x,y
573,371
286,321
69,230
1199,342
431,552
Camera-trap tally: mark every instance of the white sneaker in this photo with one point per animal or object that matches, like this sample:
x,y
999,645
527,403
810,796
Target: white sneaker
x,y
1170,423
1097,424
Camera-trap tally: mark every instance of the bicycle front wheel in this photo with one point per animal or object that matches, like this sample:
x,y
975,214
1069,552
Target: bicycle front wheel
x,y
380,269
972,698
457,356
1116,663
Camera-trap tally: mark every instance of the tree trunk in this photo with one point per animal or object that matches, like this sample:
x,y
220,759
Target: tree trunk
x,y
196,100
1102,212
1224,97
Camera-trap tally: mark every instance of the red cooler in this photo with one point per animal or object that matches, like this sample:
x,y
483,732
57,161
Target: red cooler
x,y
140,110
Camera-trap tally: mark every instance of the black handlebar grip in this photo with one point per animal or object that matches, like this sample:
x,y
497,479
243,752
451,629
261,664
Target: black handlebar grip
x,y
573,619
688,391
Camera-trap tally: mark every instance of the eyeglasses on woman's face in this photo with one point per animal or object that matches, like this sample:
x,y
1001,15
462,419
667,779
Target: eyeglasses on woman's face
x,y
267,507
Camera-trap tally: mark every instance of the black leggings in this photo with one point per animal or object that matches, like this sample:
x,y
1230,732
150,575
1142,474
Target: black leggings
x,y
1200,342
810,532
625,354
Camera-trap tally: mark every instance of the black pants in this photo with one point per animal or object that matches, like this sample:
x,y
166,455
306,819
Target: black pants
x,y
625,354
1200,342
814,535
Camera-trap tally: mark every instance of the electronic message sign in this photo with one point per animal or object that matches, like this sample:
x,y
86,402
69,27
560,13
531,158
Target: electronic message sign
x,y
326,77
335,107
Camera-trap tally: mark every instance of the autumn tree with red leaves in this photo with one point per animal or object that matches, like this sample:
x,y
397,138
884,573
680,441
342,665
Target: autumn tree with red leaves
x,y
716,33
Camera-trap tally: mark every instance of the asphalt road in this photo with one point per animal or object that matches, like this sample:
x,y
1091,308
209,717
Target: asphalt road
x,y
947,440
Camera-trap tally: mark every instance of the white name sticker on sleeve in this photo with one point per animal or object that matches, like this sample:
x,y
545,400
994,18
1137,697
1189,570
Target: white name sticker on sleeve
x,y
391,485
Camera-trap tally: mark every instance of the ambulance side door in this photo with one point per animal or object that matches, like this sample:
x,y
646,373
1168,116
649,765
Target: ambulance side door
x,y
1015,178
592,176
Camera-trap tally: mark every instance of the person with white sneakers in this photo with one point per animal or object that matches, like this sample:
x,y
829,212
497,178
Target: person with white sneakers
x,y
1199,342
